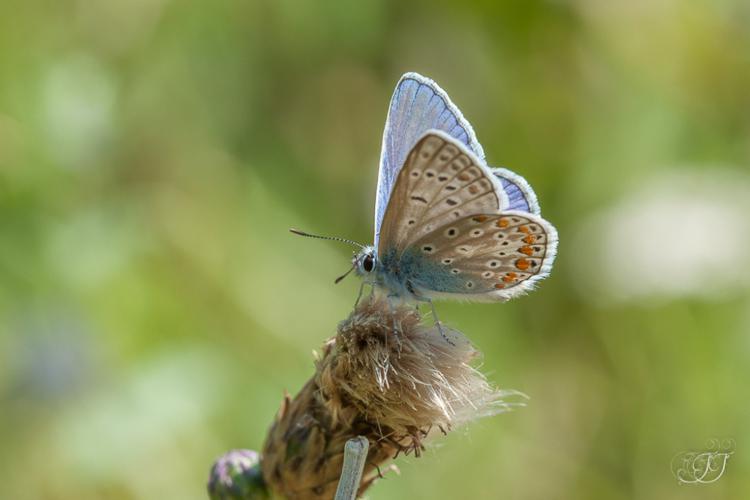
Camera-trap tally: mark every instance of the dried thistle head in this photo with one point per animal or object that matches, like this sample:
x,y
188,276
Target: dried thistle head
x,y
384,376
402,375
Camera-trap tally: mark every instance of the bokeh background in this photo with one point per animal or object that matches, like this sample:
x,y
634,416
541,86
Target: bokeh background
x,y
153,306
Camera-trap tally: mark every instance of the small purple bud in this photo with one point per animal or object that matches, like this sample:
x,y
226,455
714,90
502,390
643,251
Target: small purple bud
x,y
236,475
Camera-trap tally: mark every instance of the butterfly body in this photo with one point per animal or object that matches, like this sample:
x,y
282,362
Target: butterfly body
x,y
406,275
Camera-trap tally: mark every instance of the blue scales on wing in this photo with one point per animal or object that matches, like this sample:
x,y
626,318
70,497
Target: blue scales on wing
x,y
418,105
520,195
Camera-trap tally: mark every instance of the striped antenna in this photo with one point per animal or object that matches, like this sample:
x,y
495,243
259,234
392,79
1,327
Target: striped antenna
x,y
334,238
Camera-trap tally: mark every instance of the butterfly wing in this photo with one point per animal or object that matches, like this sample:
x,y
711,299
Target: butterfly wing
x,y
520,195
418,105
447,216
487,256
441,181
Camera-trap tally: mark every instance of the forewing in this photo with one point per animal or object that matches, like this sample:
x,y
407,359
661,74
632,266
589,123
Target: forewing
x,y
418,105
498,256
520,195
441,181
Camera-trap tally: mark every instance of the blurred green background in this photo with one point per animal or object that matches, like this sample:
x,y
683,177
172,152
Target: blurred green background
x,y
153,306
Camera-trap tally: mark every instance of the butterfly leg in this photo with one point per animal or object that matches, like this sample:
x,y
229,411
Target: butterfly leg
x,y
437,321
413,292
359,295
391,310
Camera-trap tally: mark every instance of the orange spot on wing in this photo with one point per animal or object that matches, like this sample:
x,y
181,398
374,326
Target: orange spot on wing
x,y
473,189
463,177
524,229
499,286
529,239
509,277
479,218
522,264
526,250
502,223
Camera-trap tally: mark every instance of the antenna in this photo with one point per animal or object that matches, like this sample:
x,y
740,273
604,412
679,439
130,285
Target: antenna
x,y
334,238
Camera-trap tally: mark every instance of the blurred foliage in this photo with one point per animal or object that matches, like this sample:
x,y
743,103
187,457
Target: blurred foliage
x,y
153,306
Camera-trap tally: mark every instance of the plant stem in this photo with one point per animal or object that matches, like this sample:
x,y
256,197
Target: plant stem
x,y
355,456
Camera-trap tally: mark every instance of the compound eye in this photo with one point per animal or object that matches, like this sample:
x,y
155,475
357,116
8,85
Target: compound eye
x,y
368,264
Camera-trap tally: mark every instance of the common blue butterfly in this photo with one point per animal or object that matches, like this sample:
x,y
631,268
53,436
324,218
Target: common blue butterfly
x,y
446,224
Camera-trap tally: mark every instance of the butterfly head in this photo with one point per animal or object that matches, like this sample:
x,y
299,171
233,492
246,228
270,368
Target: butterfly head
x,y
365,261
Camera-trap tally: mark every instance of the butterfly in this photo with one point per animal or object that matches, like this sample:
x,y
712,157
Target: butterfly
x,y
447,226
